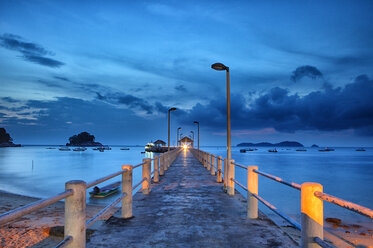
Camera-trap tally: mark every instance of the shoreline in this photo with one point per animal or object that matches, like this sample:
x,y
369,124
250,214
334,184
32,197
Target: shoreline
x,y
39,228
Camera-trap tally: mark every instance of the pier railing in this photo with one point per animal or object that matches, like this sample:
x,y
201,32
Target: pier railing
x,y
312,197
75,198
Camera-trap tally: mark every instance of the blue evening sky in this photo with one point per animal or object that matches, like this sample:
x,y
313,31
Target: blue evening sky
x,y
300,70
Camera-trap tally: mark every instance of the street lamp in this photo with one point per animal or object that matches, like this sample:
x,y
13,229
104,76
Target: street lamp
x,y
193,135
171,109
196,122
178,136
222,67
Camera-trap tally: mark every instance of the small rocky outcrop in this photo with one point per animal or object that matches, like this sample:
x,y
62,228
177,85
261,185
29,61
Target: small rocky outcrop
x,y
83,139
6,140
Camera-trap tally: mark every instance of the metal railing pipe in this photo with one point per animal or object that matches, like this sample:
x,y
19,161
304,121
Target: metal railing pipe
x,y
139,183
278,179
242,166
65,242
103,179
345,204
278,212
135,166
103,211
18,212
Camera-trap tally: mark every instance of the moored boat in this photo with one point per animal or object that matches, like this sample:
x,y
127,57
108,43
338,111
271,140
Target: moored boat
x,y
105,191
274,150
64,149
326,150
79,149
360,150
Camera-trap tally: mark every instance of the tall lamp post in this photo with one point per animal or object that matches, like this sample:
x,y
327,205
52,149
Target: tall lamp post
x,y
192,136
178,136
222,67
171,109
198,132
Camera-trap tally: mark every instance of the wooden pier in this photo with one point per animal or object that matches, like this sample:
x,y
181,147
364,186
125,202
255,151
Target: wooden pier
x,y
188,208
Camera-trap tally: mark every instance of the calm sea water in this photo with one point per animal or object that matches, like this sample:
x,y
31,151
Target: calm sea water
x,y
346,173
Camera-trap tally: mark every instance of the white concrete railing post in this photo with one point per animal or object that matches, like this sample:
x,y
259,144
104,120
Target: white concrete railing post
x,y
169,157
161,166
208,161
75,213
312,219
165,161
156,169
230,183
205,160
213,159
146,173
219,177
252,188
225,174
127,188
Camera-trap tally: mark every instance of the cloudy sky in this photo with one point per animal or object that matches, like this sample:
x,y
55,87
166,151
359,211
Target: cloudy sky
x,y
300,70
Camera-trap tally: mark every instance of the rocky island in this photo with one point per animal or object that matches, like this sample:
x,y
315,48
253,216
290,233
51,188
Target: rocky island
x,y
83,139
6,140
267,144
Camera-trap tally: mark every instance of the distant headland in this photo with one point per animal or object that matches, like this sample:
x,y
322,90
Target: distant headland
x,y
6,140
83,139
267,144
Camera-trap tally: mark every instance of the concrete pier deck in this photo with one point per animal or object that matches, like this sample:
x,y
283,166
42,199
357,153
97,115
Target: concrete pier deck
x,y
187,208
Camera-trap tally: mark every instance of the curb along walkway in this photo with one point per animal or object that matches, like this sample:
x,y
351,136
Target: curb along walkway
x,y
187,208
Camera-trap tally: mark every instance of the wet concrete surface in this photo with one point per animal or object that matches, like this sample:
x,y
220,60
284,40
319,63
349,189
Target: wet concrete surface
x,y
187,208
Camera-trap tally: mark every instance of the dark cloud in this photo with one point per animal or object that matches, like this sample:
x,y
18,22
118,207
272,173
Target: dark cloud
x,y
135,102
9,99
50,83
306,71
56,120
100,97
30,51
62,78
349,107
180,88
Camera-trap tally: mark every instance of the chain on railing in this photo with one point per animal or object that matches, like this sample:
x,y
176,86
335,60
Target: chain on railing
x,y
312,198
75,198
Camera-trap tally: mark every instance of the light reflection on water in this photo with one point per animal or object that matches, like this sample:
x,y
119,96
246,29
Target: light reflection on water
x,y
345,173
